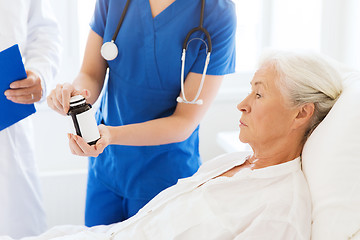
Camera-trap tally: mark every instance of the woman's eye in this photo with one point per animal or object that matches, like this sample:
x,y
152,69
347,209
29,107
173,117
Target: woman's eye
x,y
258,95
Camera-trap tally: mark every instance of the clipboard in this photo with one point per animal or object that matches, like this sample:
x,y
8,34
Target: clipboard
x,y
12,69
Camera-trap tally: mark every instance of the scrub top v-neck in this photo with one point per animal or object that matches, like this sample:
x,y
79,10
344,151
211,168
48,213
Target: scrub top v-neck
x,y
144,82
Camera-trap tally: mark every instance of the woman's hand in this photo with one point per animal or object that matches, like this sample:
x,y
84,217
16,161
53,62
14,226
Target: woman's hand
x,y
78,146
59,98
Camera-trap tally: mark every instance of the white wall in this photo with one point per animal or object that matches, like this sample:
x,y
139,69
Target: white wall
x,y
341,31
295,24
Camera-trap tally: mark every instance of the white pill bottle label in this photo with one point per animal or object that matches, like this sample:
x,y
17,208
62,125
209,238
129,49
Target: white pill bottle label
x,y
83,119
87,126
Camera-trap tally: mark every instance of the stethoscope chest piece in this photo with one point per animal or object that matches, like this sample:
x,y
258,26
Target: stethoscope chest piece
x,y
109,51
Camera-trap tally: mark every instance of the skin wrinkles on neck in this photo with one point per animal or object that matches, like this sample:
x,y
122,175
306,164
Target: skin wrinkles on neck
x,y
277,153
262,161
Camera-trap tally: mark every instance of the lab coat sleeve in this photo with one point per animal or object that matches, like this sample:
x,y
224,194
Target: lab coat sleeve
x,y
42,51
271,229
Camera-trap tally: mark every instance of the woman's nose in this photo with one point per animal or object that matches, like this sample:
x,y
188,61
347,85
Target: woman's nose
x,y
243,106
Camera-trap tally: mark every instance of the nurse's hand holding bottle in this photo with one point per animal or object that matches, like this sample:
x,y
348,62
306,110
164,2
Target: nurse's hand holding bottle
x,y
88,83
59,100
80,147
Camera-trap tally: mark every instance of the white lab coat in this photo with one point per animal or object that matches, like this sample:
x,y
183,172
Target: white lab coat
x,y
31,24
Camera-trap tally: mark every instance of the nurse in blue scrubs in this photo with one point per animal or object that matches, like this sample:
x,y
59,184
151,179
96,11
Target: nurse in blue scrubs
x,y
148,140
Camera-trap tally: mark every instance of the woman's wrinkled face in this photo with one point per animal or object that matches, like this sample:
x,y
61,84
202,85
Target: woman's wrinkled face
x,y
266,115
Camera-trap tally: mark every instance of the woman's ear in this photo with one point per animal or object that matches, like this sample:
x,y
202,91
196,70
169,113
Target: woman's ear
x,y
304,115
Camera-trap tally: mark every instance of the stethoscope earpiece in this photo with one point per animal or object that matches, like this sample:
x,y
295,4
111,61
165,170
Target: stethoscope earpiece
x,y
109,51
179,100
199,102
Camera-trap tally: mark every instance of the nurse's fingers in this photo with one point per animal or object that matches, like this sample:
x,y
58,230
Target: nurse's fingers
x,y
59,98
74,147
100,145
104,140
54,104
87,150
67,91
85,93
58,94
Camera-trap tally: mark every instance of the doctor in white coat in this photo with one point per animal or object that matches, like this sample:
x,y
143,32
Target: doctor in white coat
x,y
31,24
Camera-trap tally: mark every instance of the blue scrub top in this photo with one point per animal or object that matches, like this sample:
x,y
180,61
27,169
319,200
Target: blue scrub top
x,y
144,82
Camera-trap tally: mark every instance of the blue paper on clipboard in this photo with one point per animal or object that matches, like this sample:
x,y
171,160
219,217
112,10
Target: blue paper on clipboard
x,y
12,69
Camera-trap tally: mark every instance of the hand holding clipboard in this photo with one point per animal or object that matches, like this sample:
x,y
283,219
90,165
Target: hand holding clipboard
x,y
12,69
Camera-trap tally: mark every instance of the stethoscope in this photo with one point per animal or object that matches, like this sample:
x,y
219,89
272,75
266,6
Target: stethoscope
x,y
109,51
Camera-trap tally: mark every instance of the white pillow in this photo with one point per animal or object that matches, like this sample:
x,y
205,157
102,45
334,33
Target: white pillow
x,y
331,164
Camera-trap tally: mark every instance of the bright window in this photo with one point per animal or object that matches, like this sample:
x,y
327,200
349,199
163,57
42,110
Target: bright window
x,y
86,10
296,24
280,24
248,34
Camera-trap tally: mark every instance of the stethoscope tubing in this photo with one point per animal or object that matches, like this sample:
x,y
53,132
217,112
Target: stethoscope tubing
x,y
198,29
109,51
121,20
183,58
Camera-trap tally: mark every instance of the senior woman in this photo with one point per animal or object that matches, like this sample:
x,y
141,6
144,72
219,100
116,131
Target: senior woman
x,y
261,195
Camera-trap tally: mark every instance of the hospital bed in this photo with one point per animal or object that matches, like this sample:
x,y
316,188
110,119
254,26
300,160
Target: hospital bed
x,y
331,164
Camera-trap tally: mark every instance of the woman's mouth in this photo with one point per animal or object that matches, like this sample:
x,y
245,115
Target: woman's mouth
x,y
242,124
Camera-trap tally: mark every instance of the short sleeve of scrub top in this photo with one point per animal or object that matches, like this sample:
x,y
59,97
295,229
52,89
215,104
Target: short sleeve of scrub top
x,y
98,20
144,82
222,26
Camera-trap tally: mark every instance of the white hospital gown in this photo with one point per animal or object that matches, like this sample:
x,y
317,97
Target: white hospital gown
x,y
268,203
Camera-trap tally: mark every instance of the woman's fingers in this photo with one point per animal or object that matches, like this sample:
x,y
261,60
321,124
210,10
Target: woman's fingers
x,y
59,98
68,91
85,93
80,147
74,148
54,104
100,145
55,100
58,93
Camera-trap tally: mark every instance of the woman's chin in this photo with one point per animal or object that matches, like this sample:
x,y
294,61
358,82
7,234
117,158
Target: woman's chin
x,y
243,138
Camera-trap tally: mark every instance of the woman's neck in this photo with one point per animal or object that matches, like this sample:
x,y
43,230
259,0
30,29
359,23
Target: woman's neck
x,y
274,154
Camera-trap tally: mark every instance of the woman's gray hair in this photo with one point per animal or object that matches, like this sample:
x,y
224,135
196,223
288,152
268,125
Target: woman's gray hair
x,y
306,77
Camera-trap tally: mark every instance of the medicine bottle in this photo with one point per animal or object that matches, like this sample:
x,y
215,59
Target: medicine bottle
x,y
84,119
